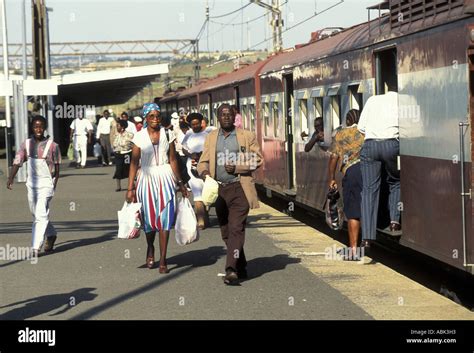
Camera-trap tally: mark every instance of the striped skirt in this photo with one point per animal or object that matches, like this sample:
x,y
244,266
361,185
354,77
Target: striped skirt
x,y
156,191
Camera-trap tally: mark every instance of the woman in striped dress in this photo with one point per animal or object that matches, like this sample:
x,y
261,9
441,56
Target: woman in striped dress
x,y
156,180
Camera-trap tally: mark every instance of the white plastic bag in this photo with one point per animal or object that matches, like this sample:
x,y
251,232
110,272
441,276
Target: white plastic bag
x,y
210,191
186,230
129,221
97,150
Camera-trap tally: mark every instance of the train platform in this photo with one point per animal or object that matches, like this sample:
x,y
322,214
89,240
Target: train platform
x,y
93,275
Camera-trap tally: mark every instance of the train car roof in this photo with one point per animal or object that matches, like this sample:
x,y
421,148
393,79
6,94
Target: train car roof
x,y
349,39
243,74
357,37
169,96
191,90
346,40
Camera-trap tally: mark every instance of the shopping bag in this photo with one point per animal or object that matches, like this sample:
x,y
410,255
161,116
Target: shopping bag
x,y
70,152
129,221
97,150
210,191
186,230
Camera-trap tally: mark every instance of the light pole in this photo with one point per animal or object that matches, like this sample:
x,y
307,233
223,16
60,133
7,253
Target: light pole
x,y
6,77
21,101
277,22
49,107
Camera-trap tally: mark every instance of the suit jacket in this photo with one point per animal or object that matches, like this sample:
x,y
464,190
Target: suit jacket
x,y
249,159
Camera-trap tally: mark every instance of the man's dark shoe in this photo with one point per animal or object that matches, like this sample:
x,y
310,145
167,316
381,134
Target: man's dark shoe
x,y
395,227
49,243
231,278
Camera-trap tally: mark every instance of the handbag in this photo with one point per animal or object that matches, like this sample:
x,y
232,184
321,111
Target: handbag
x,y
129,221
334,213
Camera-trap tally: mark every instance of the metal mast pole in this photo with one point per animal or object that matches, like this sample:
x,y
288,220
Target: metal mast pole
x,y
276,22
7,97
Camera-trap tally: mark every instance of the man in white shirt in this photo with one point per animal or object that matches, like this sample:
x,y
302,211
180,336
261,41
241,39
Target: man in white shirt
x,y
81,134
379,123
103,134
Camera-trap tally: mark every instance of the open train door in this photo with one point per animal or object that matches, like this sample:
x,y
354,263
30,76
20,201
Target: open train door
x,y
289,144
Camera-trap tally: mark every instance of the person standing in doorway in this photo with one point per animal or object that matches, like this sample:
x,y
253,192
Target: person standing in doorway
x,y
379,123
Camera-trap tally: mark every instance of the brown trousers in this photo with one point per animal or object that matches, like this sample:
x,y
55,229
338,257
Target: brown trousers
x,y
232,209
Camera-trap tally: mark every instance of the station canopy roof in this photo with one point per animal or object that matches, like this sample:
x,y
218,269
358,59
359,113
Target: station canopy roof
x,y
108,87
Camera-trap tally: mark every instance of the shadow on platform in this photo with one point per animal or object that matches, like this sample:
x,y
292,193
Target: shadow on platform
x,y
263,265
41,305
62,226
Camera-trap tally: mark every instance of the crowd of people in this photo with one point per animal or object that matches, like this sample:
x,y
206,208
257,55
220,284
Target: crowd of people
x,y
160,155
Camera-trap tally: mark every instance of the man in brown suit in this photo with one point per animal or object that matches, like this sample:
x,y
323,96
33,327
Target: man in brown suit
x,y
230,156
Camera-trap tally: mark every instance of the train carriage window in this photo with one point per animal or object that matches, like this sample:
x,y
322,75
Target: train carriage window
x,y
203,111
214,114
335,111
317,108
318,112
252,117
244,114
276,119
304,116
355,98
266,118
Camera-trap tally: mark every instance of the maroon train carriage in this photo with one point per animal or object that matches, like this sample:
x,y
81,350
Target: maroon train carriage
x,y
427,47
430,54
169,102
189,99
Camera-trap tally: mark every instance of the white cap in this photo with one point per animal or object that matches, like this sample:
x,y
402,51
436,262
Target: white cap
x,y
137,119
175,115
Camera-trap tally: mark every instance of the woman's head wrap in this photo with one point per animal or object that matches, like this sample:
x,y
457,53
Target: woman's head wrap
x,y
148,107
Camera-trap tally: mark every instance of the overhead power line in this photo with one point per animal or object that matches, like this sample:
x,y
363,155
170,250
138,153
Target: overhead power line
x,y
300,23
232,12
248,21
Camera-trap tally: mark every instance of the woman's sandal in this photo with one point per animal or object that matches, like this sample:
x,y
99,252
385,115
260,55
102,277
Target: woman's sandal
x,y
164,269
150,262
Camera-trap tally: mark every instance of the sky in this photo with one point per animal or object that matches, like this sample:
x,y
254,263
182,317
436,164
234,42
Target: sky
x,y
109,20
